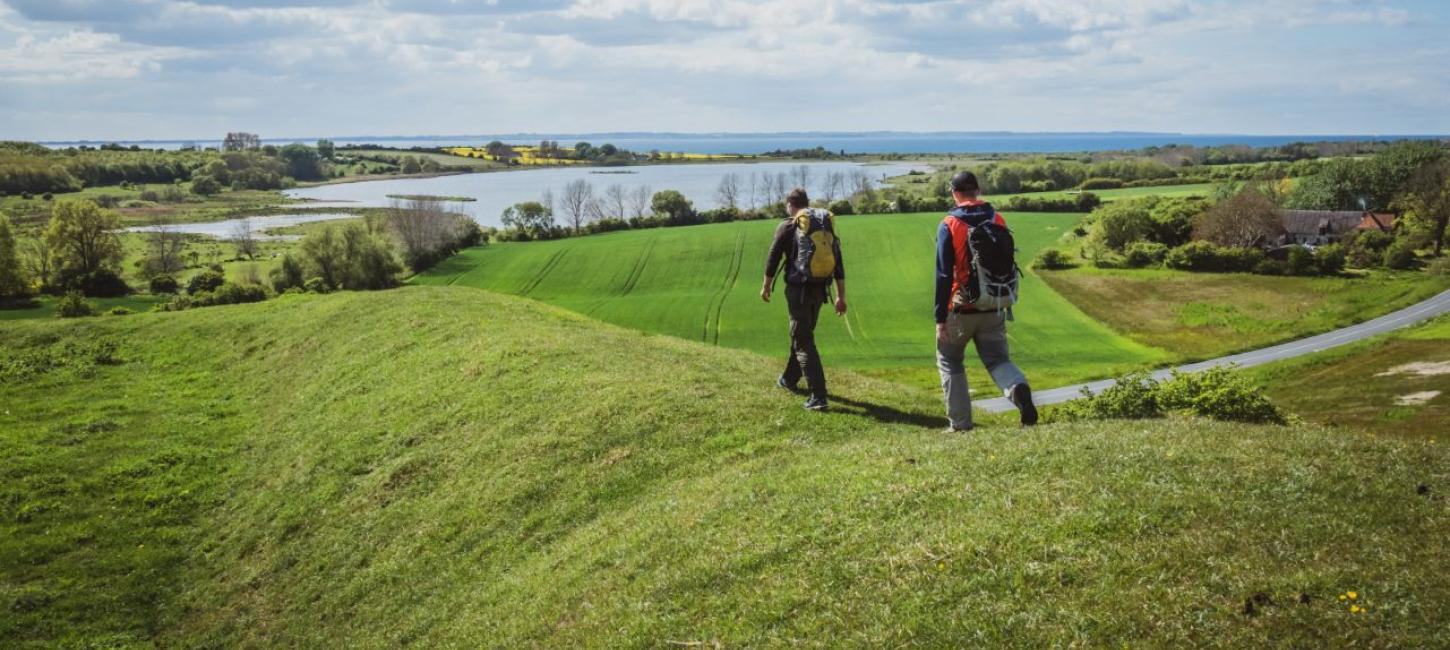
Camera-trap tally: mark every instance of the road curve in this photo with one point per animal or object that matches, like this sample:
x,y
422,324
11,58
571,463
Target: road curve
x,y
1389,322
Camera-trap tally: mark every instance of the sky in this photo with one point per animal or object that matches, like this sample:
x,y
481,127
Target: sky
x,y
162,69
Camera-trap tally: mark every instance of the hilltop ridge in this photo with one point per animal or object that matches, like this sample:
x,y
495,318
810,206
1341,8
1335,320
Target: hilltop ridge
x,y
442,465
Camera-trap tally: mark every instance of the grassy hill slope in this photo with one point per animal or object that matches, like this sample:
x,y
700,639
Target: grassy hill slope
x,y
448,466
702,283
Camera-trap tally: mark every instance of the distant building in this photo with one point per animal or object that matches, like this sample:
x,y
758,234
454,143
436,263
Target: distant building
x,y
1317,227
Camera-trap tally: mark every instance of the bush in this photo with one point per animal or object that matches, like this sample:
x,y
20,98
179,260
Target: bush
x,y
1399,256
1441,267
227,294
1144,253
1133,397
1271,267
207,280
101,283
164,284
48,196
1051,259
1218,393
1330,259
1301,262
74,305
205,185
316,285
1204,256
841,206
119,311
150,195
1194,256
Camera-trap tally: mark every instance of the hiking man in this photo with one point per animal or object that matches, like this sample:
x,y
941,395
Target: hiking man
x,y
806,242
974,297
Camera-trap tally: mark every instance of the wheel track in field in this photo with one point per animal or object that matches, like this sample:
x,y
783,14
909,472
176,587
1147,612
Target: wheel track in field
x,y
543,272
638,269
711,333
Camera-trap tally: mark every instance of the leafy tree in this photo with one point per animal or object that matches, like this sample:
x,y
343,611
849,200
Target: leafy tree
x,y
326,149
1121,223
13,281
608,149
410,165
303,162
82,237
1426,199
672,205
530,217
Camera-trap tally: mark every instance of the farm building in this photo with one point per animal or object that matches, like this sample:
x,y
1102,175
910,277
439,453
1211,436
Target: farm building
x,y
1315,227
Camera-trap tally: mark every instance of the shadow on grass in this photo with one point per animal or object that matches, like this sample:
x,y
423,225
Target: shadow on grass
x,y
886,414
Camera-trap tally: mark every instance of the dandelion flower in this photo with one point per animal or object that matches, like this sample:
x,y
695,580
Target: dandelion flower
x,y
1353,595
1354,609
1342,597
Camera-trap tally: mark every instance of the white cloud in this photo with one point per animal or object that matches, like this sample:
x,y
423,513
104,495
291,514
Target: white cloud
x,y
411,66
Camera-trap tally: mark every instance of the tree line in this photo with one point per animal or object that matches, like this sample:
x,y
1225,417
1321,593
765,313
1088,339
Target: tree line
x,y
580,208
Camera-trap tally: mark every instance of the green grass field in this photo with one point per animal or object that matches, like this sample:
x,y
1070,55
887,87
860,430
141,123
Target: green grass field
x,y
1396,385
702,283
440,466
1205,315
1191,189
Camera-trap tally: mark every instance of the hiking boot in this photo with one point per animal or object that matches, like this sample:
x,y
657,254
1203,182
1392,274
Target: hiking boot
x,y
781,382
816,404
954,429
1021,397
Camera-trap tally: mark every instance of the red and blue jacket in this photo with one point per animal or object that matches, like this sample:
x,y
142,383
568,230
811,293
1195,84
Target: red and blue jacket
x,y
953,258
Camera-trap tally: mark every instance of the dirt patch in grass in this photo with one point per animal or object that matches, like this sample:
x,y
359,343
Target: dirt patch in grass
x,y
1419,368
1416,399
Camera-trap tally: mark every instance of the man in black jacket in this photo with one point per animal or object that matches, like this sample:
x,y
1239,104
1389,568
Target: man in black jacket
x,y
803,298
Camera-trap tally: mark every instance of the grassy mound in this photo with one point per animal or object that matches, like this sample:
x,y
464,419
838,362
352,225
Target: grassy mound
x,y
447,466
703,283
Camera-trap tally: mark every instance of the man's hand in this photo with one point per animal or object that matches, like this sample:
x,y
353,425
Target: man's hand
x,y
765,290
841,306
941,332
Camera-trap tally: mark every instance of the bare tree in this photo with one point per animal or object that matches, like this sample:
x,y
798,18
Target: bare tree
x,y
1245,219
801,176
616,201
861,185
750,193
164,245
426,230
639,201
834,184
574,203
245,241
728,192
547,200
777,187
241,141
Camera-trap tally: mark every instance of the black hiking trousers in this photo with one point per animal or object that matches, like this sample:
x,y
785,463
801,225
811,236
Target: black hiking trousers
x,y
804,302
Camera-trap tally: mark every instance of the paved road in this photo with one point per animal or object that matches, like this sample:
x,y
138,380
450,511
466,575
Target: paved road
x,y
1408,316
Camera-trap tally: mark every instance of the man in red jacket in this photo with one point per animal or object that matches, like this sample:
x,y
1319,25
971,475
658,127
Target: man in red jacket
x,y
956,324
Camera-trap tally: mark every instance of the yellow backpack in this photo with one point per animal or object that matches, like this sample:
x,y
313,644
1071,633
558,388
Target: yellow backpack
x,y
815,238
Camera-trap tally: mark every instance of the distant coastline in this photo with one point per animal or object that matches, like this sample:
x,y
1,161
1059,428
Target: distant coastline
x,y
851,142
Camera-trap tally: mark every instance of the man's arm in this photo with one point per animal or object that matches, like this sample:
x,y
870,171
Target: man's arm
x,y
772,260
946,257
840,276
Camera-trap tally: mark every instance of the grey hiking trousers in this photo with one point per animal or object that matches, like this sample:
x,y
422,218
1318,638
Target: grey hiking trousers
x,y
989,331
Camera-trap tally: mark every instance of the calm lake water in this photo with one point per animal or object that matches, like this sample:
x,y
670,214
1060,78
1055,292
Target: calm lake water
x,y
259,225
495,191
